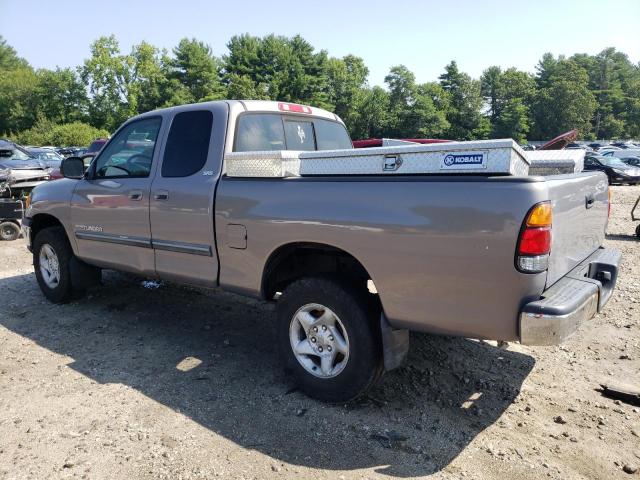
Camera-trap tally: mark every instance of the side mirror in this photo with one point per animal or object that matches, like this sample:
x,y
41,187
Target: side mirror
x,y
72,167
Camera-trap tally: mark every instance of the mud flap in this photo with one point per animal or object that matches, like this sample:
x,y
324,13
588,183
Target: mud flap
x,y
83,275
395,344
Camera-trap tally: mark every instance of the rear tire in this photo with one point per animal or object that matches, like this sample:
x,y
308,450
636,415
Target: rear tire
x,y
9,231
333,327
52,256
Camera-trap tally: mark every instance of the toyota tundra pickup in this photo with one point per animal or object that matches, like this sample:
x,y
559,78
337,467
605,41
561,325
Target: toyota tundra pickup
x,y
353,262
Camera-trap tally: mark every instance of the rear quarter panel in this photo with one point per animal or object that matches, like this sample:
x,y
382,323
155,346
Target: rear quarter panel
x,y
440,250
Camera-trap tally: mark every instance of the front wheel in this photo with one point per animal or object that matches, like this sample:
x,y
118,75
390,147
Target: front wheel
x,y
329,338
52,256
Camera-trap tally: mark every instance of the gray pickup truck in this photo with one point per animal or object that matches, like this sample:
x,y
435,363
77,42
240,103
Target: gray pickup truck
x,y
353,262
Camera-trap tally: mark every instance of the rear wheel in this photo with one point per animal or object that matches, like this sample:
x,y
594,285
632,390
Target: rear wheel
x,y
329,338
9,231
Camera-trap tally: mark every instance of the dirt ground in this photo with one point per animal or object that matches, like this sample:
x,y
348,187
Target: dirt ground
x,y
177,383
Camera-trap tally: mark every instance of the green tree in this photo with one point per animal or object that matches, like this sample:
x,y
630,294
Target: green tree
x,y
108,77
9,59
373,116
489,85
62,95
278,68
565,102
19,100
415,111
195,69
45,132
347,83
509,95
465,112
148,77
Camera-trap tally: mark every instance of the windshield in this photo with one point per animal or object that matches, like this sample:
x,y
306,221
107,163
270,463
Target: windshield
x,y
47,156
612,162
14,154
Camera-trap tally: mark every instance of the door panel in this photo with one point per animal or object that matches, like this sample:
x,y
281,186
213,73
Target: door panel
x,y
110,207
182,196
111,227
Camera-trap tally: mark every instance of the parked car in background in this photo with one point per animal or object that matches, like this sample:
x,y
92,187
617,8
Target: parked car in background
x,y
597,146
608,150
50,157
616,170
633,161
578,146
624,145
25,172
71,151
96,145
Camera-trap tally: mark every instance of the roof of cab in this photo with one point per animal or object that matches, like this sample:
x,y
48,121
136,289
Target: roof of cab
x,y
257,106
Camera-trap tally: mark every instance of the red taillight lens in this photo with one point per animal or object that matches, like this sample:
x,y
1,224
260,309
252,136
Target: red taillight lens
x,y
534,244
293,107
535,241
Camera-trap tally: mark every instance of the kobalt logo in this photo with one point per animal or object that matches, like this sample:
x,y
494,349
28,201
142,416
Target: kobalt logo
x,y
468,159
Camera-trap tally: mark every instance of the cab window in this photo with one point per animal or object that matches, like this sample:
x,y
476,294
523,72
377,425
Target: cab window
x,y
260,132
187,144
273,131
130,152
299,135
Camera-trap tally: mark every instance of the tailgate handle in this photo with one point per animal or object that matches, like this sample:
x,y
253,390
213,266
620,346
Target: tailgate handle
x,y
590,200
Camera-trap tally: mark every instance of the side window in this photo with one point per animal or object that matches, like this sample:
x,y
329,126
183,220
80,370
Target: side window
x,y
187,143
259,132
130,152
299,135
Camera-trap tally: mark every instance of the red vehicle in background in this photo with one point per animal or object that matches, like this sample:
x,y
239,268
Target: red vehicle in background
x,y
378,142
96,146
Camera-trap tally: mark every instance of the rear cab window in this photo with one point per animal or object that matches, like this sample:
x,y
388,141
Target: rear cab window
x,y
273,131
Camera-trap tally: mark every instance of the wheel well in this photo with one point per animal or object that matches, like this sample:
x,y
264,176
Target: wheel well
x,y
296,260
42,221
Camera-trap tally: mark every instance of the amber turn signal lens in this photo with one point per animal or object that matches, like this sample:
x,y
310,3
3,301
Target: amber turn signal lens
x,y
540,216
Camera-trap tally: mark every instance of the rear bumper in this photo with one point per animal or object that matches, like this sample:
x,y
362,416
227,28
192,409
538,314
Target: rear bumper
x,y
573,299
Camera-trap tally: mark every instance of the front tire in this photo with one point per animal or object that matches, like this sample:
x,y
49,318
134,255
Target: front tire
x,y
329,338
52,256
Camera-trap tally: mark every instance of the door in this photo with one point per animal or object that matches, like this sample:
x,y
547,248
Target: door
x,y
182,197
110,207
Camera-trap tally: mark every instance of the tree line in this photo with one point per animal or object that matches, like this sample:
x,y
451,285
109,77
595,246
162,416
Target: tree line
x,y
597,94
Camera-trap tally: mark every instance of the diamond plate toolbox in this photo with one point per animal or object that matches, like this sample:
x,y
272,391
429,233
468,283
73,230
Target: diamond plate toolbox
x,y
490,157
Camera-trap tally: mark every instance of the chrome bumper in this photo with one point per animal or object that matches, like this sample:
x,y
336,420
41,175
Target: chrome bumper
x,y
573,299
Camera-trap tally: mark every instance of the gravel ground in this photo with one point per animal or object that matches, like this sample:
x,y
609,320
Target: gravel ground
x,y
177,383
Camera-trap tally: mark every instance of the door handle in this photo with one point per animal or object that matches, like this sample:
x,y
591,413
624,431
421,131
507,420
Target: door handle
x,y
161,195
135,194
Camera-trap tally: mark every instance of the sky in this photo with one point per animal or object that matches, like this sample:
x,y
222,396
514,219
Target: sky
x,y
423,35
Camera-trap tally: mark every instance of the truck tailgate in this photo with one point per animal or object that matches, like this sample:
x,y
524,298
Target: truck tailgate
x,y
580,206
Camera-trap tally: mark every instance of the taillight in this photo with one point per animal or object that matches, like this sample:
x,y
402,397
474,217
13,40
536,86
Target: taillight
x,y
534,244
293,107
